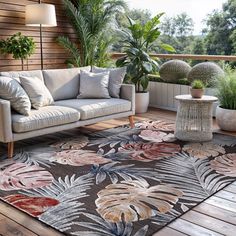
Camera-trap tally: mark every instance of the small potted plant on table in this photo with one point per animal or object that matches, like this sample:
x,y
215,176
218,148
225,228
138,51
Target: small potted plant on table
x,y
197,89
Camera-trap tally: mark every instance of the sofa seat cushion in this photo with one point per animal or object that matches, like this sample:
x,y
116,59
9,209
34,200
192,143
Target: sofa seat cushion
x,y
43,118
92,108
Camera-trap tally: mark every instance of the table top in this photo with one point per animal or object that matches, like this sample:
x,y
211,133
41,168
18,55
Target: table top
x,y
188,97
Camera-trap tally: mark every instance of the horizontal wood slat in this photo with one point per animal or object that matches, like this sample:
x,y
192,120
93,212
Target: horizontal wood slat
x,y
12,20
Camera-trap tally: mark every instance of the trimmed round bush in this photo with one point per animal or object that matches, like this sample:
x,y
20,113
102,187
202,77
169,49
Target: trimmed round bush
x,y
174,70
207,72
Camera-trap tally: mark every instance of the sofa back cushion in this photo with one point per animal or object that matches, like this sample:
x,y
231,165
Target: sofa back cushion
x,y
16,74
63,83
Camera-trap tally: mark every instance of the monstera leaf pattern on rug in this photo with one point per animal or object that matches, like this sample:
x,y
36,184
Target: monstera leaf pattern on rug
x,y
225,164
23,176
34,206
132,201
156,125
149,151
156,136
78,158
203,150
72,143
122,181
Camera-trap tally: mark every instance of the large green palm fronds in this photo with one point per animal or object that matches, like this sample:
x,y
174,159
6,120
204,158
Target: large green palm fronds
x,y
90,19
72,49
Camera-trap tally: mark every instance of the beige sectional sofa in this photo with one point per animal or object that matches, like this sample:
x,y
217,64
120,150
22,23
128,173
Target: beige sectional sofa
x,y
67,112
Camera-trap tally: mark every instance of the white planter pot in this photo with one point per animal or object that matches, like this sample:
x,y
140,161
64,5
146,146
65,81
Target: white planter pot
x,y
141,102
226,119
162,95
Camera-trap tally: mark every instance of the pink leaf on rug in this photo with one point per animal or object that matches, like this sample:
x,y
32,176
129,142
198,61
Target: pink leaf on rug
x,y
78,158
34,206
22,176
150,151
156,136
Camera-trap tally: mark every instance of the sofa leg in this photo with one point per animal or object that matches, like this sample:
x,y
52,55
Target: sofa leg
x,y
10,148
131,121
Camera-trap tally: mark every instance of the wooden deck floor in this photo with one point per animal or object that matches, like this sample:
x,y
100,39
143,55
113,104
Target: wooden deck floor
x,y
215,216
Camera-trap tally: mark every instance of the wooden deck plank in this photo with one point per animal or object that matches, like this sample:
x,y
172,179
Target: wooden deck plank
x,y
28,222
10,228
231,188
222,203
226,195
167,231
216,212
192,229
210,223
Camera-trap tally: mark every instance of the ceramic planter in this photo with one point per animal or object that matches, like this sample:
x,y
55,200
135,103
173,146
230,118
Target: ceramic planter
x,y
196,93
141,102
226,119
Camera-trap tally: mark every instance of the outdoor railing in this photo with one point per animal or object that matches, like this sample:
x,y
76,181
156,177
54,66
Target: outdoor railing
x,y
185,56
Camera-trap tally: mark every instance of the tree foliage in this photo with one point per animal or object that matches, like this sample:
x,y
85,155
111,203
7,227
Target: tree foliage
x,y
220,35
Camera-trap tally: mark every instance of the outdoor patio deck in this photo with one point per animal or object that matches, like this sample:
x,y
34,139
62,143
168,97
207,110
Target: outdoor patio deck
x,y
215,216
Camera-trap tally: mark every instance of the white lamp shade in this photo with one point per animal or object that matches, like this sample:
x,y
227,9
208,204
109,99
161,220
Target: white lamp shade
x,y
40,14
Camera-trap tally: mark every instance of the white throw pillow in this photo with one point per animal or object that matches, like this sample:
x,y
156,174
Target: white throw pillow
x,y
93,85
37,91
12,91
116,78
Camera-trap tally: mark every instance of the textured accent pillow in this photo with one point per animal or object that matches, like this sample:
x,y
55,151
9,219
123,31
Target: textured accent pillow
x,y
116,78
93,85
12,91
37,91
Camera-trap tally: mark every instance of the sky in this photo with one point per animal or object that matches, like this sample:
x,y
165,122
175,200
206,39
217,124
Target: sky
x,y
196,9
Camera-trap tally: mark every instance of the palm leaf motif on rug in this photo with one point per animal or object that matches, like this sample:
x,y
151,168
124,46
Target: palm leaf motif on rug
x,y
121,181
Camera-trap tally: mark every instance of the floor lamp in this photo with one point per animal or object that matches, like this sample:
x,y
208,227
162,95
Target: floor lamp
x,y
40,15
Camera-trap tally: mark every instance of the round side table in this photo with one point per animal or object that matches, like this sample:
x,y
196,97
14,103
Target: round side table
x,y
194,118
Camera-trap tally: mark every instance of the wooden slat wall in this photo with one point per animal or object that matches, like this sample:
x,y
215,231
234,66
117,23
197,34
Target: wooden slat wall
x,y
12,20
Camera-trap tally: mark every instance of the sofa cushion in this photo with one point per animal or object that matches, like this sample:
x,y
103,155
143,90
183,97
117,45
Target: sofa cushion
x,y
12,91
16,74
63,83
93,85
116,78
43,118
92,108
37,91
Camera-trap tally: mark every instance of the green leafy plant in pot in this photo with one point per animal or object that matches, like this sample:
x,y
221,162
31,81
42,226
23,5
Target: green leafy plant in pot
x,y
226,93
197,89
136,42
20,46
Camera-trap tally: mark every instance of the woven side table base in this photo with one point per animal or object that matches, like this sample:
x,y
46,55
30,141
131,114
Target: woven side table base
x,y
194,119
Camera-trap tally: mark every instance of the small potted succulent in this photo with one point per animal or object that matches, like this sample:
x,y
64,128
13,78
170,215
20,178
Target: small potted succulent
x,y
197,89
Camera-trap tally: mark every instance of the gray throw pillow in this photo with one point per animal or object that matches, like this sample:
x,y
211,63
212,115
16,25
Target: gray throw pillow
x,y
116,78
12,91
37,91
93,85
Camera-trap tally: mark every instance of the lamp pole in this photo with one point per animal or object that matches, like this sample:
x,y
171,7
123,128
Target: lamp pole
x,y
41,42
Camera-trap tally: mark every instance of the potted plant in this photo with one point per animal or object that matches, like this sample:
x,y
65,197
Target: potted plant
x,y
197,89
226,93
136,41
19,45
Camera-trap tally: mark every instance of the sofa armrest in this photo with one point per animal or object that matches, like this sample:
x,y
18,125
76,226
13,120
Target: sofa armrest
x,y
5,122
128,93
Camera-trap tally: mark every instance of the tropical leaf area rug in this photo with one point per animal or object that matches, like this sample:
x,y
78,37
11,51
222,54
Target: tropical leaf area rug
x,y
117,182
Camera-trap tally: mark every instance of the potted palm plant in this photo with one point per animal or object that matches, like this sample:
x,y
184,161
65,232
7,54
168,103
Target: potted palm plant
x,y
137,41
197,89
226,93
